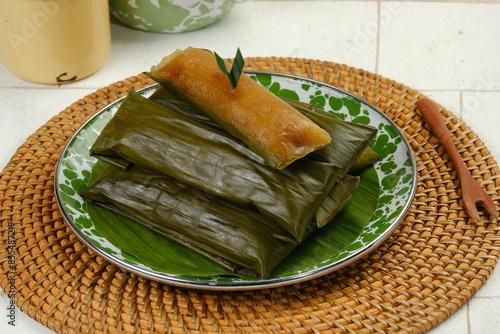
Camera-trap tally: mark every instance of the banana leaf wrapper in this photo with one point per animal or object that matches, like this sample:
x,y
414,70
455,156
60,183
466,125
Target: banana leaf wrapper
x,y
146,134
240,239
367,158
349,139
336,200
350,142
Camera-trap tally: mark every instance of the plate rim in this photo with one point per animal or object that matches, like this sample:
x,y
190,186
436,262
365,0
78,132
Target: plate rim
x,y
258,283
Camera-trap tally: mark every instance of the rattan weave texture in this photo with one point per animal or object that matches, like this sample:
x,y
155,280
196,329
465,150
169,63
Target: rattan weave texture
x,y
430,266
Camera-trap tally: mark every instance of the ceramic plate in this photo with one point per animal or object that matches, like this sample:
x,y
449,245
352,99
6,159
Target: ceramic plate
x,y
396,172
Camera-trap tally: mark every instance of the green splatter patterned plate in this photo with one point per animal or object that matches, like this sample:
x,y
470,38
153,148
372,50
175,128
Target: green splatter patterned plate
x,y
396,172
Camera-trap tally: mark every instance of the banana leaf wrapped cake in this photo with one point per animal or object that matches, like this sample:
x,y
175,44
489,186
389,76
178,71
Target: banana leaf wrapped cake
x,y
215,227
177,170
238,238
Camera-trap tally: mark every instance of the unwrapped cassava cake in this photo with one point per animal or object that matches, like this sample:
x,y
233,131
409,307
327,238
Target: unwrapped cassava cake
x,y
249,112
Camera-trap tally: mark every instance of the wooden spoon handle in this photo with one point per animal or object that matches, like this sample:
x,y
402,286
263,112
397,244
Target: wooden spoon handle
x,y
473,194
435,120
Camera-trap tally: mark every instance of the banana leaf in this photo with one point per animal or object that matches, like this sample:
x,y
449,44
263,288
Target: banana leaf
x,y
344,133
346,137
214,227
140,245
326,245
237,238
367,158
336,200
149,135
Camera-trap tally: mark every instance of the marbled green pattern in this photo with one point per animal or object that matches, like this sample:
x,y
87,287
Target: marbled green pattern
x,y
396,171
169,16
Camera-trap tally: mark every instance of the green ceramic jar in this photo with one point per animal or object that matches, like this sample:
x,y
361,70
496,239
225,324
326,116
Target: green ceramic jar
x,y
170,16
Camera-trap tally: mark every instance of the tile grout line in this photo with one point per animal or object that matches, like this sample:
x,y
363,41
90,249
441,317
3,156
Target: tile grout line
x,y
467,305
377,44
461,111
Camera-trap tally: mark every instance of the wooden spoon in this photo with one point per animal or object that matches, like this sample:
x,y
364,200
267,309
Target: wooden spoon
x,y
474,196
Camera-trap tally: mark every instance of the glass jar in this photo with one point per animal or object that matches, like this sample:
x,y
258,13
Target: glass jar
x,y
54,41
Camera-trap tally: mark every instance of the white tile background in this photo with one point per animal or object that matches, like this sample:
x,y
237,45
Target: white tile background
x,y
448,50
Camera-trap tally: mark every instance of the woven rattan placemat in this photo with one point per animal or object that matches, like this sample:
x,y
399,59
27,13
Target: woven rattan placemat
x,y
433,263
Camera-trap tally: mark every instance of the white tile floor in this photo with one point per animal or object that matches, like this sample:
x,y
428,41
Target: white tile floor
x,y
448,50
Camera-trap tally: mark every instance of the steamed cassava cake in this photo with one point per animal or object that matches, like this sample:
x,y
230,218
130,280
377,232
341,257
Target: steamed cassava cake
x,y
255,115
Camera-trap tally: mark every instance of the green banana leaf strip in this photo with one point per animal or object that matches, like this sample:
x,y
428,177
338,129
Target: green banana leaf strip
x,y
144,133
231,235
156,251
